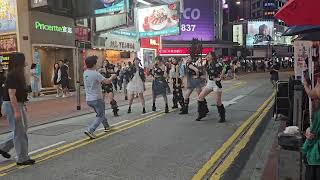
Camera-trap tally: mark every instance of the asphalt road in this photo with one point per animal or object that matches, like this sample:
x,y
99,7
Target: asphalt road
x,y
154,146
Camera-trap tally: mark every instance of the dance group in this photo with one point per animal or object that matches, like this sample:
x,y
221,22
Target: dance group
x,y
204,76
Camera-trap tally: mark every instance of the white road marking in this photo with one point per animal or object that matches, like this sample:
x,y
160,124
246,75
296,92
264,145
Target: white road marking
x,y
232,101
114,124
47,147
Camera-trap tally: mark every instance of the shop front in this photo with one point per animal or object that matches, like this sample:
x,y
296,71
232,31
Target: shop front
x,y
118,49
52,39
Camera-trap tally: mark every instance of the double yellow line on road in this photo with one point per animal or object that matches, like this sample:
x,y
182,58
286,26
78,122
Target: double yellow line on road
x,y
4,170
247,128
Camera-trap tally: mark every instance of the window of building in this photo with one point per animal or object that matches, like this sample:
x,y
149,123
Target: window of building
x,y
258,4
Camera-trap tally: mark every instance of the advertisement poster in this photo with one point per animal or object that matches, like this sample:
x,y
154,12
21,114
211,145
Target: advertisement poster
x,y
260,33
159,21
8,43
301,56
238,34
110,6
8,16
197,21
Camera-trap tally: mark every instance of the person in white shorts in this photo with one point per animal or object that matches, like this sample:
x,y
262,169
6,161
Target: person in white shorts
x,y
215,73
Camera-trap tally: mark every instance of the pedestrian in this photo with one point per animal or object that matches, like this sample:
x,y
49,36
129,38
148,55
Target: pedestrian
x,y
177,74
35,80
119,75
136,84
311,146
274,72
126,78
64,82
92,83
194,81
215,73
14,99
56,77
2,81
107,71
159,84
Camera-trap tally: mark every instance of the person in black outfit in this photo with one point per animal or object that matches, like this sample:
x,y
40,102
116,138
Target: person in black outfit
x,y
14,96
159,84
64,82
107,71
177,74
2,81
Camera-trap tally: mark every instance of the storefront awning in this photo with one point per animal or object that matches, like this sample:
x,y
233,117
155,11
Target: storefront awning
x,y
300,12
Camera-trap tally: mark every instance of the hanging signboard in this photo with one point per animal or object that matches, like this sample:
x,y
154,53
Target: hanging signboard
x,y
116,42
8,43
238,34
159,21
110,6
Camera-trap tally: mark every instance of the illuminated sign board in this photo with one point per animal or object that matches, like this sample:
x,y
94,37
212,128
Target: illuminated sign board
x,y
54,28
8,16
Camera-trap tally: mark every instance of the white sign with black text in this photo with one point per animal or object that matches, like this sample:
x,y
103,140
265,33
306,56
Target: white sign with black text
x,y
117,42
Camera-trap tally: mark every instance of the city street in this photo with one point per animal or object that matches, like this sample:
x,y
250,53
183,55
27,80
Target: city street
x,y
155,145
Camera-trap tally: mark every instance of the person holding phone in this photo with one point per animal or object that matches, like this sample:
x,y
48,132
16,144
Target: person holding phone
x,y
93,81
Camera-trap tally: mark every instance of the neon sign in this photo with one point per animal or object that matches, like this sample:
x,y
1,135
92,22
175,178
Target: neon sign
x,y
53,28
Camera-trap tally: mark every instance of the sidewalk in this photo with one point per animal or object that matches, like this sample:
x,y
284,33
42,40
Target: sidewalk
x,y
47,109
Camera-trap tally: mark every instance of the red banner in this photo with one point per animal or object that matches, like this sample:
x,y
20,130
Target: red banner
x,y
185,51
152,43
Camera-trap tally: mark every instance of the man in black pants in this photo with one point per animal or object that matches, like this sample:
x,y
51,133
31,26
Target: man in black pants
x,y
64,70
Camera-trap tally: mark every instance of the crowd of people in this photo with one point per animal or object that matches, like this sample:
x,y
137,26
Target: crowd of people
x,y
202,75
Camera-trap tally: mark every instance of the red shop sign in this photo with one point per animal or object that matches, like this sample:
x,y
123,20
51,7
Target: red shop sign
x,y
152,43
181,51
82,33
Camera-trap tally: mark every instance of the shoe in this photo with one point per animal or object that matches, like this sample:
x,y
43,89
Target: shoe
x,y
107,129
126,98
27,162
5,154
90,135
115,113
201,110
143,110
222,113
175,106
129,110
154,108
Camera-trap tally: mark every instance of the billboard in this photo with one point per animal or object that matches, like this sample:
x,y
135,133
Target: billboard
x,y
8,16
8,43
110,6
260,33
197,21
238,34
159,21
105,23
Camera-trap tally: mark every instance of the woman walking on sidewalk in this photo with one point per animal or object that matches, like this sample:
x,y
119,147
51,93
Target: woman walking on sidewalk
x,y
15,96
92,83
311,147
159,84
35,79
2,81
56,77
215,74
136,84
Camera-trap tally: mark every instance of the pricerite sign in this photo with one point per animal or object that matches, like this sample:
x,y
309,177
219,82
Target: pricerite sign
x,y
54,28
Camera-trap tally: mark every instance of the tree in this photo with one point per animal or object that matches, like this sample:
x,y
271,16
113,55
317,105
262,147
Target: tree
x,y
195,50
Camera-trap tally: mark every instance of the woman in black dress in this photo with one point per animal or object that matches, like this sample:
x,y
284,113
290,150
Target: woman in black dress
x,y
159,84
56,76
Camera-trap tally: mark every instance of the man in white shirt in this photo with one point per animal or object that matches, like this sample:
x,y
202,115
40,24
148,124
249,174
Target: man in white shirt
x,y
92,83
